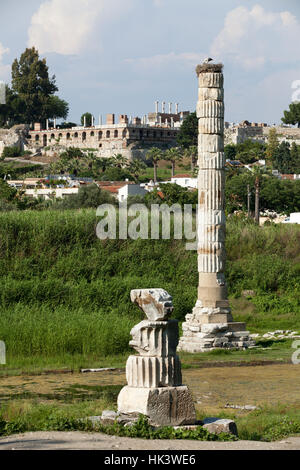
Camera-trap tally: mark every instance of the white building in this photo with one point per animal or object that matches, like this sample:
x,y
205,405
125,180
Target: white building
x,y
48,193
130,190
185,181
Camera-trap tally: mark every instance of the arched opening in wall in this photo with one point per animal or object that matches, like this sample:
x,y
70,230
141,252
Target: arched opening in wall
x,y
116,134
83,136
124,133
52,136
37,138
76,135
92,134
68,136
141,134
45,140
100,145
107,134
60,135
100,135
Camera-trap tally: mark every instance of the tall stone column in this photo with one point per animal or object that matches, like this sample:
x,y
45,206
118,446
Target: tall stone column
x,y
211,325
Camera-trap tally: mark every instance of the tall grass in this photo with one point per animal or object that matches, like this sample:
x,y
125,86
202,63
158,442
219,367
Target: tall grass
x,y
63,291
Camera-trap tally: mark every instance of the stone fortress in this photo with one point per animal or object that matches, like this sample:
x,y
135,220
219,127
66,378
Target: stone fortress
x,y
130,137
238,133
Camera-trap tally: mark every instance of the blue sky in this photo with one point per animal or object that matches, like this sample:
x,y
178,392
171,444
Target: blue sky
x,y
116,56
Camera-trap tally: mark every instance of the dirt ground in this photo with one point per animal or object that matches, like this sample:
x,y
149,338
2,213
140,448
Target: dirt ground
x,y
93,441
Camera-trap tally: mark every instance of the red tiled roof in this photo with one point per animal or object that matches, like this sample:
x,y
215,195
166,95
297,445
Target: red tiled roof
x,y
287,177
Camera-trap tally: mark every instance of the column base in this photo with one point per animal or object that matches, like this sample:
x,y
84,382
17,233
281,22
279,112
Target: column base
x,y
209,329
165,406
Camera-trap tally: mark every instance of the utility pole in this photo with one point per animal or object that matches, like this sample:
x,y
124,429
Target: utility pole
x,y
257,200
248,200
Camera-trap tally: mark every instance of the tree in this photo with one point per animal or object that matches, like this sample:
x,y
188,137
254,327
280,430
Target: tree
x,y
188,133
282,158
272,146
230,152
250,151
88,119
292,116
35,89
119,160
295,158
192,154
173,155
56,108
154,155
136,167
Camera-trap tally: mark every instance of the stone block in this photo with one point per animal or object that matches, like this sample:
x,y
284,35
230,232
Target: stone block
x,y
151,372
165,406
211,80
107,418
217,426
155,303
213,94
211,125
210,143
236,326
211,161
155,338
210,109
214,328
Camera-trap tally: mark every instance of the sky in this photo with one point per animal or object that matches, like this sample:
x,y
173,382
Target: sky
x,y
120,56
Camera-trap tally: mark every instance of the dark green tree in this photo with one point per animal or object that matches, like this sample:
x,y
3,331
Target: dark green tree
x,y
35,89
292,116
56,108
230,152
282,158
295,158
188,134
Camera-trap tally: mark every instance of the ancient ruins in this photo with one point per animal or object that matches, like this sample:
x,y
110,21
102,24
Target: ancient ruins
x,y
154,375
211,325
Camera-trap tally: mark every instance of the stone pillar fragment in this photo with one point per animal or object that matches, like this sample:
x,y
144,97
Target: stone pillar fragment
x,y
154,376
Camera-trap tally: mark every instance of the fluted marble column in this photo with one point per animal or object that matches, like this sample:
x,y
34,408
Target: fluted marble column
x,y
212,306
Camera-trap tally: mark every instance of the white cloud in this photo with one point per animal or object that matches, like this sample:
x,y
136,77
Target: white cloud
x,y
4,69
254,37
191,58
66,26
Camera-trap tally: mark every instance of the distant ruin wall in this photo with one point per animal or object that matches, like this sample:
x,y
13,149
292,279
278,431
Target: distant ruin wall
x,y
238,135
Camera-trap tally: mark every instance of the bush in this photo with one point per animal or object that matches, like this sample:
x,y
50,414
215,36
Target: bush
x,y
10,152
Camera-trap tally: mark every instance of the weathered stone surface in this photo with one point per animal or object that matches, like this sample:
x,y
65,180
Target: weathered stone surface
x,y
155,338
210,109
211,80
108,417
216,94
213,143
155,303
217,426
211,125
151,372
165,406
211,328
211,161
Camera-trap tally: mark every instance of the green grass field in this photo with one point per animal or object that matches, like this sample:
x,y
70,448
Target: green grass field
x,y
65,294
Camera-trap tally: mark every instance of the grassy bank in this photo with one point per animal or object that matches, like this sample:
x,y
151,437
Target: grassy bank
x,y
64,298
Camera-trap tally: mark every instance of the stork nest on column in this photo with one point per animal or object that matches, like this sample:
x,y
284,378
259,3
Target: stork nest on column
x,y
213,68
